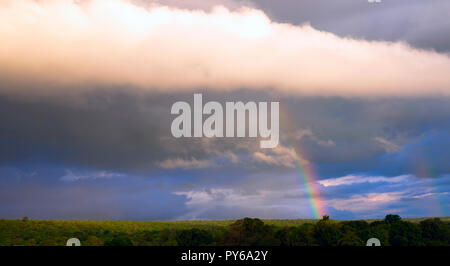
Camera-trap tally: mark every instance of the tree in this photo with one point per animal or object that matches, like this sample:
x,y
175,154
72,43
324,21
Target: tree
x,y
250,232
193,237
49,242
435,232
379,230
119,240
284,236
392,218
403,233
326,233
296,236
350,239
93,241
166,237
360,228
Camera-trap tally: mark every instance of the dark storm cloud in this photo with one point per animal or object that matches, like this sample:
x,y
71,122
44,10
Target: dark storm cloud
x,y
421,23
101,130
364,130
131,131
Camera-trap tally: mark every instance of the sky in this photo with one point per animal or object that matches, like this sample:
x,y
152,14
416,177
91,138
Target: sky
x,y
86,89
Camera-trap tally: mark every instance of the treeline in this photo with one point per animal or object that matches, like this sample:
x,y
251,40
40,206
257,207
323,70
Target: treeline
x,y
392,231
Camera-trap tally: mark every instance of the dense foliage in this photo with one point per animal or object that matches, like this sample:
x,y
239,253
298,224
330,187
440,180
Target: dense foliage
x,y
392,231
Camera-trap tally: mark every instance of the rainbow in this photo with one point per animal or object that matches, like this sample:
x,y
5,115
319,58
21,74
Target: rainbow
x,y
422,171
309,178
305,169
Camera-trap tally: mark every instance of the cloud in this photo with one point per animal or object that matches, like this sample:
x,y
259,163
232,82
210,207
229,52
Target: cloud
x,y
116,43
196,4
421,23
426,195
70,176
192,163
387,145
371,204
213,196
226,203
369,201
358,179
284,196
279,156
375,196
308,133
130,131
128,198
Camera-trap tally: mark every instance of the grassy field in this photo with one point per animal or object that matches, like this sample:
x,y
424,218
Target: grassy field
x,y
129,226
175,225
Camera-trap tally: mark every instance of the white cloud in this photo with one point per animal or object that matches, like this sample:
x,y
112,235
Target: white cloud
x,y
261,203
70,176
378,202
365,202
114,43
429,194
197,4
358,179
279,156
387,145
192,163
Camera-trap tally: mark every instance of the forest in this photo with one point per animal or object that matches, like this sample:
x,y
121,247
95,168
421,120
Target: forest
x,y
391,231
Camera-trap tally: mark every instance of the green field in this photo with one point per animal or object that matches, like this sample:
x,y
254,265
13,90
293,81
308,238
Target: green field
x,y
50,232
